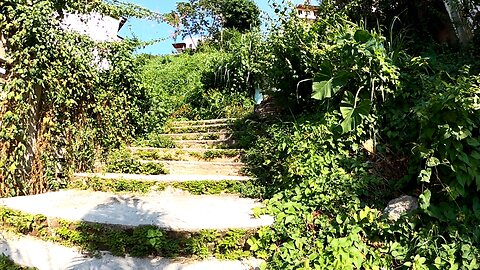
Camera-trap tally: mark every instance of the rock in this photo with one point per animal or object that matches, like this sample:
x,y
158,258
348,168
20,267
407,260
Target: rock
x,y
399,206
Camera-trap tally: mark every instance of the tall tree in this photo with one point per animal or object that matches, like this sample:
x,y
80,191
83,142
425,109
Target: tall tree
x,y
209,17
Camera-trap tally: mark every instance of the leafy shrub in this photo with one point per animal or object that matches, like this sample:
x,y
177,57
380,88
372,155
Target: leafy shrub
x,y
243,68
314,176
324,191
356,67
323,196
435,116
214,103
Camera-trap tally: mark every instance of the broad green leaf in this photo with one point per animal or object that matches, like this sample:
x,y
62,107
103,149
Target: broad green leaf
x,y
352,114
322,90
327,88
362,36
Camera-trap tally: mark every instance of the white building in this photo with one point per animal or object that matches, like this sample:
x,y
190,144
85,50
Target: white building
x,y
188,43
98,27
308,12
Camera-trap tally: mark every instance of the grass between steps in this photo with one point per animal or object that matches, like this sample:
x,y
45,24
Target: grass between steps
x,y
185,154
137,242
123,161
199,129
7,264
243,188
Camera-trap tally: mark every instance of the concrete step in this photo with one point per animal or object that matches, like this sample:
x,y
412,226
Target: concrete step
x,y
190,154
31,252
198,136
206,143
225,127
167,210
200,167
167,178
203,122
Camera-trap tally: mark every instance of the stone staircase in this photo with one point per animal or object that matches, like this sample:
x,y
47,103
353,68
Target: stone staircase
x,y
195,217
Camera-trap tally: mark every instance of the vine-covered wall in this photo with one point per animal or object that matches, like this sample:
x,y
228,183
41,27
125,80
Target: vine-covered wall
x,y
56,105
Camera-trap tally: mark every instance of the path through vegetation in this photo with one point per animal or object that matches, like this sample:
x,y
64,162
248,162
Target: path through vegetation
x,y
186,206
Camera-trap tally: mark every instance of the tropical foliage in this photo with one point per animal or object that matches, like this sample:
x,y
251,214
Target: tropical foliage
x,y
373,112
375,120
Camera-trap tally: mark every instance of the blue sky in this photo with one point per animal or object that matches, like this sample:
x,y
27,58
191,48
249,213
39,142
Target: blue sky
x,y
148,30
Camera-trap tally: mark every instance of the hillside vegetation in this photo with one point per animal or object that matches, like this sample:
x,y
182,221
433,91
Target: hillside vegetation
x,y
373,100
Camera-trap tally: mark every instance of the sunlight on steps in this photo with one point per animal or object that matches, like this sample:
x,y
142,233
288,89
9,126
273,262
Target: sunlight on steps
x,y
205,152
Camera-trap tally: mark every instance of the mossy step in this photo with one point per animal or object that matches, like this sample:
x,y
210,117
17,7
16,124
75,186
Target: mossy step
x,y
119,185
43,255
202,122
193,154
200,167
222,144
99,241
198,136
199,128
167,210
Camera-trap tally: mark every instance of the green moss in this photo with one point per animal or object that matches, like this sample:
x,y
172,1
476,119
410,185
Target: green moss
x,y
109,185
184,155
244,188
123,161
7,264
158,155
139,241
211,154
199,129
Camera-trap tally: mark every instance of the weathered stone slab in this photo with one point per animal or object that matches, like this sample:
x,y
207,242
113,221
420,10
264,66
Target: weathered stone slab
x,y
167,210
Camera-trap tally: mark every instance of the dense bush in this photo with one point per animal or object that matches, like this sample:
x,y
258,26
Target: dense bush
x,y
327,179
327,197
316,178
435,114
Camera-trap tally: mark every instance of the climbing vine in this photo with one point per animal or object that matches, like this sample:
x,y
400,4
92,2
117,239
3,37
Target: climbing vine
x,y
64,96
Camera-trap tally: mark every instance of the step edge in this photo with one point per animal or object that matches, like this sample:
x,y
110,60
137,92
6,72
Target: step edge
x,y
166,178
138,148
186,162
202,126
253,224
218,120
197,133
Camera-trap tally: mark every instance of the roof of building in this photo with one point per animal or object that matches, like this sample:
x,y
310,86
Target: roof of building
x,y
308,7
